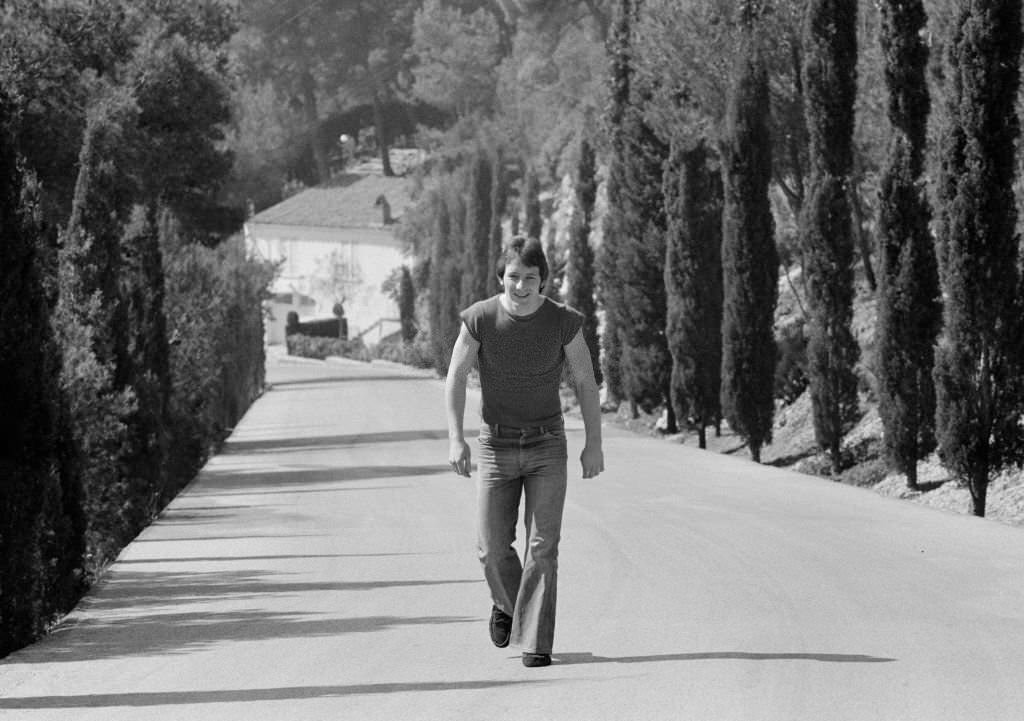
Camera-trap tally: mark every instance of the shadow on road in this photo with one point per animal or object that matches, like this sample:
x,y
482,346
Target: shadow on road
x,y
277,557
569,659
273,445
136,589
300,383
101,700
213,482
181,633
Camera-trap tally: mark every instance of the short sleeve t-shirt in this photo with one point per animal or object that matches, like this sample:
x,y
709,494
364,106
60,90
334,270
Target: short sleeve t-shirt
x,y
521,360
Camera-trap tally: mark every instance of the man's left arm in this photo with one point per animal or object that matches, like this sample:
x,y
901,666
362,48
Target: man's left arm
x,y
577,355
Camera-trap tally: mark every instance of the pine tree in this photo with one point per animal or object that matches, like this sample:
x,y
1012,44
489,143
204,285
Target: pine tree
x,y
829,80
693,284
750,262
978,364
909,313
580,266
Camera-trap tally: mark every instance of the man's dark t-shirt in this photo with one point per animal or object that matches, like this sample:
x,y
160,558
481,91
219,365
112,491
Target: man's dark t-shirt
x,y
521,360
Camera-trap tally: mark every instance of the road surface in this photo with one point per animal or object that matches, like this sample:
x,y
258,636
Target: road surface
x,y
323,567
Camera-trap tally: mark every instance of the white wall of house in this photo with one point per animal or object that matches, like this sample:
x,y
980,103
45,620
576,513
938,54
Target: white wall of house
x,y
331,265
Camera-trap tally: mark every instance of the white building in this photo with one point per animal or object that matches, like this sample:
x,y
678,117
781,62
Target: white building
x,y
335,243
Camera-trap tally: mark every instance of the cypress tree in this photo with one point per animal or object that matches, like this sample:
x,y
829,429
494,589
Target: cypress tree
x,y
909,313
476,282
829,80
645,360
750,262
580,266
144,365
693,284
407,305
978,364
533,223
499,201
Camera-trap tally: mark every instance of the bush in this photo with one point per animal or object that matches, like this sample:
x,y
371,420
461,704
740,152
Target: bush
x,y
417,353
791,363
306,346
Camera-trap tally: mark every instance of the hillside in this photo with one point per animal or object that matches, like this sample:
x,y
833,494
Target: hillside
x,y
793,444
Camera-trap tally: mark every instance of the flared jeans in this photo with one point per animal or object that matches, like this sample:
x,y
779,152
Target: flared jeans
x,y
515,464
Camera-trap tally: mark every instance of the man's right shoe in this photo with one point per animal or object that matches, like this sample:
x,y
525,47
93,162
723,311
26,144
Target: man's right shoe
x,y
536,660
501,627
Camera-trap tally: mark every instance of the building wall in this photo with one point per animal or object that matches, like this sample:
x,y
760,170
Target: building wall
x,y
331,265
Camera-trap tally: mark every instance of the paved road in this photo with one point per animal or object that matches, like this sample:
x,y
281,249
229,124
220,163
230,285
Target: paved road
x,y
322,567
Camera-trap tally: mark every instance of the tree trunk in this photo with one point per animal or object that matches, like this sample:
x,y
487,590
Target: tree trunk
x,y
309,107
863,241
382,140
702,435
755,452
978,485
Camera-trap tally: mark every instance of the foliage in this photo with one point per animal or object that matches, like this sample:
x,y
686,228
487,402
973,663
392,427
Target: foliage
x,y
826,235
750,261
457,55
693,284
978,364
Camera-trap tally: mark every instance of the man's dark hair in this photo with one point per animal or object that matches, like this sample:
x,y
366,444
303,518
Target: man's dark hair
x,y
528,251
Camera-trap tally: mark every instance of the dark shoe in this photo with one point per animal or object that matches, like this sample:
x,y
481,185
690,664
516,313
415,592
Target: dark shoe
x,y
536,660
501,627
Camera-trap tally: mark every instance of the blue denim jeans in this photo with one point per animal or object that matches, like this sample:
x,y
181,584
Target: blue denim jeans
x,y
513,465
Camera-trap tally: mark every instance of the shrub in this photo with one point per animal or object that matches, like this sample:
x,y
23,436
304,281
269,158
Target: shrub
x,y
417,353
306,346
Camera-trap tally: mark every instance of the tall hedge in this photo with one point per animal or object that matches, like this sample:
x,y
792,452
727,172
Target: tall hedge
x,y
41,522
978,364
750,262
909,313
829,81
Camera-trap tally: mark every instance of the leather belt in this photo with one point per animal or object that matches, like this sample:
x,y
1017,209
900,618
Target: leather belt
x,y
501,431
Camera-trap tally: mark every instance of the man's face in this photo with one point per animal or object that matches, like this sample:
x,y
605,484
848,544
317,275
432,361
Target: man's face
x,y
522,287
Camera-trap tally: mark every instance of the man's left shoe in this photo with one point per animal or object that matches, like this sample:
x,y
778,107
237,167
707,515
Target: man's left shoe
x,y
536,660
501,627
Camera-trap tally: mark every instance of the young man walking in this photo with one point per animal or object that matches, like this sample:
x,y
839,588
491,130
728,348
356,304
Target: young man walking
x,y
521,340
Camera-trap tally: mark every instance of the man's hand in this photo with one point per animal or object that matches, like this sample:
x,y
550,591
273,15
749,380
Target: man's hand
x,y
592,460
458,457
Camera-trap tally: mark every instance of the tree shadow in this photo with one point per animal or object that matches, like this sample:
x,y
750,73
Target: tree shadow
x,y
273,445
299,384
276,557
284,693
784,461
212,481
123,589
182,633
582,658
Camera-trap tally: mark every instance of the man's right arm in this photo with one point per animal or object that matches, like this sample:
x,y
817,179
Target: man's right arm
x,y
463,356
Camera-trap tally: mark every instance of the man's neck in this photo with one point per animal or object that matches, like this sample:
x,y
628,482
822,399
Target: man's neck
x,y
518,309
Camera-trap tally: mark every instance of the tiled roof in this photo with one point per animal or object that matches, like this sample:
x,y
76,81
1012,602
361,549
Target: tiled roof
x,y
350,201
